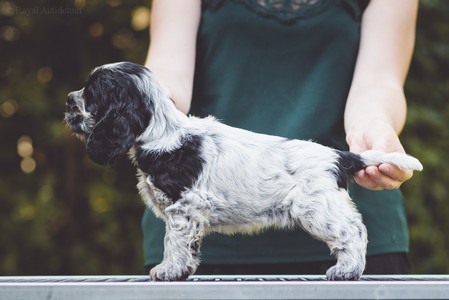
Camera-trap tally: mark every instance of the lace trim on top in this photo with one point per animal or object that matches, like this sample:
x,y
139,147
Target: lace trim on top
x,y
288,11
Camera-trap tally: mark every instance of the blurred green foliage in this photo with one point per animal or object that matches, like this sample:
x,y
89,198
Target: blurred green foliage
x,y
61,214
427,136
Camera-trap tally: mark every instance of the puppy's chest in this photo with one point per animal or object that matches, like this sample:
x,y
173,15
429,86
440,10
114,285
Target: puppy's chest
x,y
175,171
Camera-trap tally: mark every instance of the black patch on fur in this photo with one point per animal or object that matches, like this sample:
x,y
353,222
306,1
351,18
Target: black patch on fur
x,y
348,164
176,171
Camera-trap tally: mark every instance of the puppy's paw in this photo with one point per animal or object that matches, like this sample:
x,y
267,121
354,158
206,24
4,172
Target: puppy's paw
x,y
164,272
336,273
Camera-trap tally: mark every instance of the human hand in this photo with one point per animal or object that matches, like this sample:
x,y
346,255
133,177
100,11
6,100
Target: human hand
x,y
377,135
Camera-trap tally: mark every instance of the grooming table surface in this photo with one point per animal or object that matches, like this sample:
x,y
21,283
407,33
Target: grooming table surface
x,y
224,287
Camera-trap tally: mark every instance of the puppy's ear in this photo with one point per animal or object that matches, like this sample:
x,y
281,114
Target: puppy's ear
x,y
123,110
112,136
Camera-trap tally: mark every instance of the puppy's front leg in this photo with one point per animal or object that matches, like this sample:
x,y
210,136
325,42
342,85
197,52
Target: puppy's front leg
x,y
185,228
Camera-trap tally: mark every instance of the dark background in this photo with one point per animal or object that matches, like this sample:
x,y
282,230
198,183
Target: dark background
x,y
61,214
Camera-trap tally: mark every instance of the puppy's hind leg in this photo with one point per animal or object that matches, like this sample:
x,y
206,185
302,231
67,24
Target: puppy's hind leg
x,y
185,229
331,216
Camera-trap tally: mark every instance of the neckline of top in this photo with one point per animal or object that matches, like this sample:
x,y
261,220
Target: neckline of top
x,y
289,11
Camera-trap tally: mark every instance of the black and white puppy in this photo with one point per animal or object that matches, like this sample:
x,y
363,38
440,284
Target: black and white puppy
x,y
202,176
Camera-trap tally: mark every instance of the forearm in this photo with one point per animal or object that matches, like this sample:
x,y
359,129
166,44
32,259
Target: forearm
x,y
171,55
386,47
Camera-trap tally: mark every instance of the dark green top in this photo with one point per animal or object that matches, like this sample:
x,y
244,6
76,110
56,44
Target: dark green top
x,y
280,70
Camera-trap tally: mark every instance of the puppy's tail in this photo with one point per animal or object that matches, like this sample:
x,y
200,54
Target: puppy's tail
x,y
350,163
401,160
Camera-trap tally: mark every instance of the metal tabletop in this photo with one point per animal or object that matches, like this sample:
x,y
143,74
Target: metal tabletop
x,y
224,287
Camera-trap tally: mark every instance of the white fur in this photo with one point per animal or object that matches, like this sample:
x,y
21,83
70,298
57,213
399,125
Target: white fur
x,y
372,157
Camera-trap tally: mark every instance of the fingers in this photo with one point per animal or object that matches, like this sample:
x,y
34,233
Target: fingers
x,y
364,180
395,173
384,176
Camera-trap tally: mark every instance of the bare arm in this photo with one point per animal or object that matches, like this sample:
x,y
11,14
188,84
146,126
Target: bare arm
x,y
171,56
376,107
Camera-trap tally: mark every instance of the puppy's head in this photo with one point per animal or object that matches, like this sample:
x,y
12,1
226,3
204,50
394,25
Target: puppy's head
x,y
111,110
